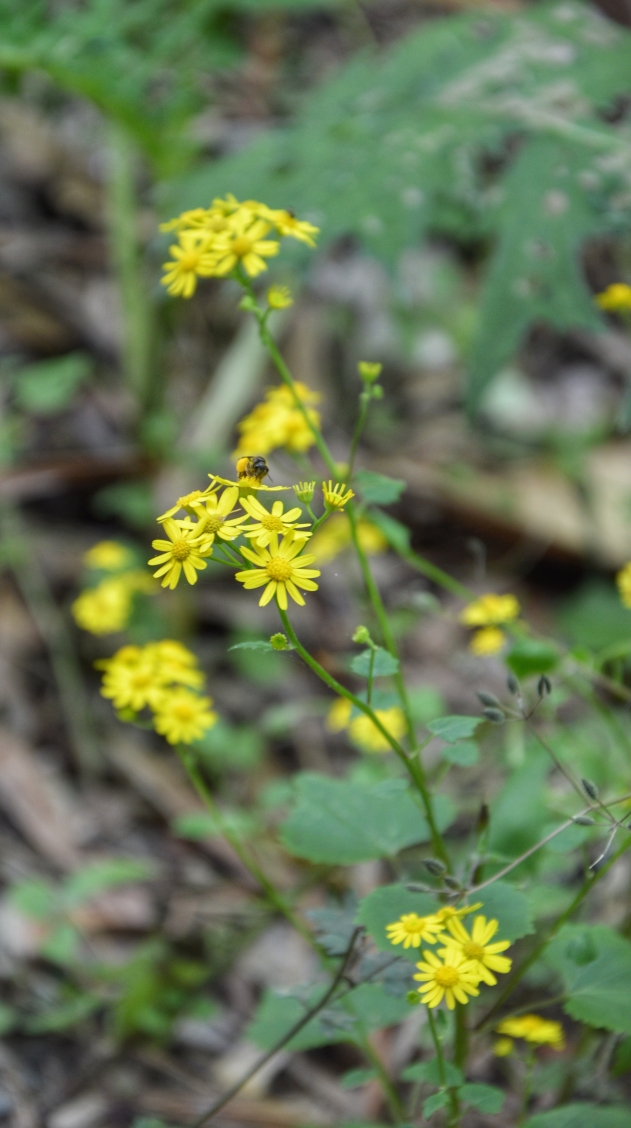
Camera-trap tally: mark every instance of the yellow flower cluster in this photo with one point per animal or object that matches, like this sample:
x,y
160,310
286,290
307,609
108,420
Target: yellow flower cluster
x,y
277,422
362,732
455,971
488,613
214,241
616,298
106,606
335,536
532,1028
163,677
623,582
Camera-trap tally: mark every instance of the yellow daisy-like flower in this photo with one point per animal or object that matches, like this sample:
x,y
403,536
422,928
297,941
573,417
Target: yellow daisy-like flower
x,y
191,258
623,583
477,947
281,568
277,422
502,1047
276,523
448,912
364,733
336,496
105,608
339,714
195,219
490,610
411,929
335,536
532,1028
287,224
187,503
174,662
108,556
244,242
279,297
453,979
486,641
213,515
181,716
615,298
247,485
132,679
184,550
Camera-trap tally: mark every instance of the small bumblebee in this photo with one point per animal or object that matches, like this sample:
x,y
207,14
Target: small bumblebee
x,y
252,466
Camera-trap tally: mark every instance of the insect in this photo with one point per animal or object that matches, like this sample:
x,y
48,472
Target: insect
x,y
252,466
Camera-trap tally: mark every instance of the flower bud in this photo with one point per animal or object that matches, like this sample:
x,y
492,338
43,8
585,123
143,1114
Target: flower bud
x,y
583,820
544,686
488,699
590,789
494,715
413,998
369,371
248,304
416,887
436,868
452,882
512,684
362,635
304,491
279,641
279,297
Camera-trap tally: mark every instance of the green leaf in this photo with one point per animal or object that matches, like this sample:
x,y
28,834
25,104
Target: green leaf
x,y
531,656
582,1115
255,644
196,825
397,535
429,1071
50,385
454,728
62,945
487,1098
595,617
509,906
464,754
374,1007
436,1101
97,877
35,898
340,823
366,1008
356,1077
384,665
518,813
64,1016
594,963
385,905
231,747
378,489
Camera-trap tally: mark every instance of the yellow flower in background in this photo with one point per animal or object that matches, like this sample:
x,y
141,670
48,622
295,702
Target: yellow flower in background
x,y
174,662
181,716
336,496
623,582
281,569
105,608
108,556
532,1028
184,550
488,640
615,298
244,242
277,422
453,979
502,1047
339,714
279,297
132,679
287,224
411,930
276,523
490,611
335,536
478,947
190,259
364,733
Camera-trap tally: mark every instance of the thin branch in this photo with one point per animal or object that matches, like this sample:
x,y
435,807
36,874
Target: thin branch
x,y
295,1029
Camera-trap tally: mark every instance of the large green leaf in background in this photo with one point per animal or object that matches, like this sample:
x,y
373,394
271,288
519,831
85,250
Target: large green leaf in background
x,y
595,965
582,1115
474,126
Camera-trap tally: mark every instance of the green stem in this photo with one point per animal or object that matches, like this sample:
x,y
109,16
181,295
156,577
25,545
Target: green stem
x,y
364,403
527,1087
275,898
411,765
454,1109
371,675
461,1046
395,1103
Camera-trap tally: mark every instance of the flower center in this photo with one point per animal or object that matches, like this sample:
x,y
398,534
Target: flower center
x,y
141,679
181,549
217,223
446,976
274,524
183,711
412,926
279,569
189,261
241,246
473,951
213,523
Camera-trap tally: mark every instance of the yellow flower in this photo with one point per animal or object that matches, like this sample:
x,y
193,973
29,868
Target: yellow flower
x,y
411,929
490,610
448,912
533,1028
336,496
453,978
281,569
191,258
187,502
287,224
247,485
477,947
277,422
131,679
339,714
615,298
213,512
174,662
488,640
196,218
181,716
104,608
243,242
184,550
275,523
623,581
364,733
108,556
304,491
279,297
335,536
502,1047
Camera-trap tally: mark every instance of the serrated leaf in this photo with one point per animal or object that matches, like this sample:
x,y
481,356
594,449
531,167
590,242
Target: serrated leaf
x,y
509,906
594,986
339,823
379,489
582,1115
384,663
487,1098
454,728
385,905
